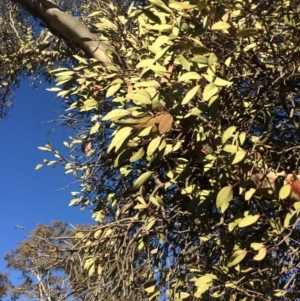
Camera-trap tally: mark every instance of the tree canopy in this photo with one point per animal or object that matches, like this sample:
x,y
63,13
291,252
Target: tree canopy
x,y
179,132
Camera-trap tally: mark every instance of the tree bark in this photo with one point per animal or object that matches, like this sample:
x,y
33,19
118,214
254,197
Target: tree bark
x,y
68,27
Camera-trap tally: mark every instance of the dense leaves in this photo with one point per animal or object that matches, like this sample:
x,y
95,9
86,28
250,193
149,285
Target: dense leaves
x,y
178,144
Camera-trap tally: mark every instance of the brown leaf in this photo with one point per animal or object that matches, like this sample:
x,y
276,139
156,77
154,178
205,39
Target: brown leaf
x,y
165,123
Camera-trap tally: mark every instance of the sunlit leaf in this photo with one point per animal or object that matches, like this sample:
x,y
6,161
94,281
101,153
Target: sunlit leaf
x,y
285,191
220,26
228,133
142,179
153,145
116,114
224,197
239,156
236,257
209,91
189,95
261,254
248,220
189,76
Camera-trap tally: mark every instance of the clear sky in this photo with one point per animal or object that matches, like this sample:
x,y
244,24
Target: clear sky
x,y
29,196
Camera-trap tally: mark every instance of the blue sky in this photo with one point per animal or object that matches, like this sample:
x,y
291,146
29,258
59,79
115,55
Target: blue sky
x,y
29,196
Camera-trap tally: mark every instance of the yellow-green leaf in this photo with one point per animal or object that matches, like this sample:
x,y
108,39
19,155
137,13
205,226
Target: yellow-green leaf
x,y
285,191
248,220
229,148
153,145
189,95
161,5
95,128
209,91
249,194
247,32
236,257
80,59
220,26
116,114
224,197
239,156
228,133
261,254
138,155
151,222
75,201
189,76
257,246
112,90
142,179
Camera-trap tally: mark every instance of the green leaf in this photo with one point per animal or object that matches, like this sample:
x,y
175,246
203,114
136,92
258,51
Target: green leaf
x,y
116,114
212,59
285,192
142,179
153,145
201,60
185,63
220,26
121,135
209,91
95,128
249,194
89,104
162,5
236,257
150,223
248,220
239,156
229,148
112,90
150,289
287,219
222,82
44,149
247,32
145,63
54,89
224,197
261,254
139,98
181,295
155,201
75,202
151,16
228,133
189,76
80,59
257,246
189,95
138,155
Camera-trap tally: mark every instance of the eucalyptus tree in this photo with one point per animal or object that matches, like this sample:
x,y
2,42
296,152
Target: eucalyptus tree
x,y
179,132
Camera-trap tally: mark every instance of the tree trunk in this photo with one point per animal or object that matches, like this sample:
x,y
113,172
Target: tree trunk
x,y
68,27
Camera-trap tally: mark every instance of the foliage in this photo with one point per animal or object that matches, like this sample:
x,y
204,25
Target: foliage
x,y
173,144
51,262
29,49
4,285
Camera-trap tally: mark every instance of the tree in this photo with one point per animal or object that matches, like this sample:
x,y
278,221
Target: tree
x,y
51,262
4,285
178,142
